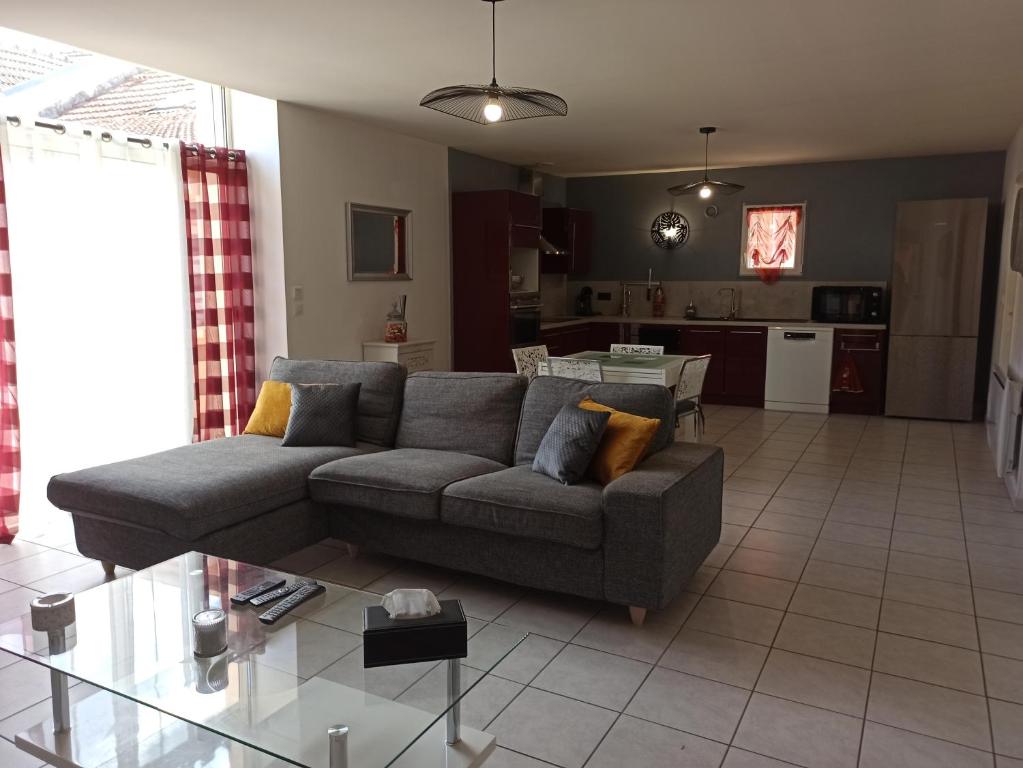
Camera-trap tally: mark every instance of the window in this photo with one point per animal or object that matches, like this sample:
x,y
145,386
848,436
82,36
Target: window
x,y
772,239
42,80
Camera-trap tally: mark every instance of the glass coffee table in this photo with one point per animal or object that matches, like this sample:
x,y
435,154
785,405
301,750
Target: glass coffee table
x,y
294,693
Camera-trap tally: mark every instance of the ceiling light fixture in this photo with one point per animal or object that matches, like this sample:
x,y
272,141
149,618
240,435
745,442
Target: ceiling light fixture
x,y
707,187
494,103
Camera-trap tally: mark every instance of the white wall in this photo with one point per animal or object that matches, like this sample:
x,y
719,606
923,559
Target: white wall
x,y
254,129
327,161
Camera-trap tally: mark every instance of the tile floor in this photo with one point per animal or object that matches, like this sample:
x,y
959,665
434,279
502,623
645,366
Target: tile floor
x,y
864,607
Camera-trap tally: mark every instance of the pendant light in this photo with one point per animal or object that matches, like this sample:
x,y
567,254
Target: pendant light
x,y
706,188
494,103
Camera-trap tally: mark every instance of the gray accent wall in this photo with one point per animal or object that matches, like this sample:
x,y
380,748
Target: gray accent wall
x,y
850,213
472,173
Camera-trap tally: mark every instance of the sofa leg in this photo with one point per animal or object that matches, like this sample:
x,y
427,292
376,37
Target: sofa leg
x,y
638,615
108,568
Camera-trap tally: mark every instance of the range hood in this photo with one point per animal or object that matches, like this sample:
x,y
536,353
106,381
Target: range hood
x,y
531,182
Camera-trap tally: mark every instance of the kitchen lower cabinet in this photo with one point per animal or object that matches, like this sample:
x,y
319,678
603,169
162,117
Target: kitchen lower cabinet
x,y
738,362
566,341
707,340
603,335
864,353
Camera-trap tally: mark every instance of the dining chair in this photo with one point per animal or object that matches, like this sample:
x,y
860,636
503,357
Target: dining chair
x,y
689,391
637,349
575,368
527,360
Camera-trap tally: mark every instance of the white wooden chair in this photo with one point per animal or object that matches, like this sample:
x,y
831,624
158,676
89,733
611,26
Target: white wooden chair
x,y
637,349
575,368
689,391
528,359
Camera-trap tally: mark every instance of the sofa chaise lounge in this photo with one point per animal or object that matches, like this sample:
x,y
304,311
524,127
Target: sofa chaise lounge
x,y
441,473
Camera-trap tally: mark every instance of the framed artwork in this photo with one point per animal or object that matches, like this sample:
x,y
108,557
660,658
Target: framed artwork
x,y
1016,242
772,239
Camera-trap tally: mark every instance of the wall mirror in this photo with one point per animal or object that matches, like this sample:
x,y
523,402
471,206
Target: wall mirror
x,y
379,243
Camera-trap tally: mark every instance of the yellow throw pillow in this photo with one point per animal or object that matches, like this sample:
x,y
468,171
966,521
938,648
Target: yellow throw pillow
x,y
273,407
624,442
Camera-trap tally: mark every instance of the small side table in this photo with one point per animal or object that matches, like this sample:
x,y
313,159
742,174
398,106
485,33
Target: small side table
x,y
414,355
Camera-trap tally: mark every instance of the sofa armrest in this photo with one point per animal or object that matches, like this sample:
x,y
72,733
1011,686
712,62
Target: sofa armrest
x,y
660,522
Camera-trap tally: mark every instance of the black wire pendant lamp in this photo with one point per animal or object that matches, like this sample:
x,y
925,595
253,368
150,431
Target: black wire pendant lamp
x,y
708,186
493,103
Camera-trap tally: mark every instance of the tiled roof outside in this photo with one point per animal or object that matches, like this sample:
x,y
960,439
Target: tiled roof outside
x,y
18,66
150,103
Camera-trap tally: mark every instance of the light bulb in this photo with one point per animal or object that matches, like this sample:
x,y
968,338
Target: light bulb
x,y
705,191
493,111
670,233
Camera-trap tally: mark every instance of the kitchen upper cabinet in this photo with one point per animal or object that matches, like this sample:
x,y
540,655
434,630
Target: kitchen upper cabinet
x,y
571,230
866,352
738,362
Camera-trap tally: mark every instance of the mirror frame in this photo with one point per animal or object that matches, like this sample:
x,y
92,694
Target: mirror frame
x,y
353,208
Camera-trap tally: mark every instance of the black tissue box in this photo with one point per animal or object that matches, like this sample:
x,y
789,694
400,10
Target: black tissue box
x,y
387,641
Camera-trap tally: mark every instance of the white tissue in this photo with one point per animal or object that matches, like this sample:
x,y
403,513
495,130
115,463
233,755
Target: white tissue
x,y
410,604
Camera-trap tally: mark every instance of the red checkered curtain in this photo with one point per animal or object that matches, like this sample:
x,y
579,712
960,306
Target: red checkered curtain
x,y
216,192
10,436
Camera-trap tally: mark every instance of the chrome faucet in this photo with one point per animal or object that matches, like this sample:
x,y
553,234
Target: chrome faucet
x,y
650,284
733,309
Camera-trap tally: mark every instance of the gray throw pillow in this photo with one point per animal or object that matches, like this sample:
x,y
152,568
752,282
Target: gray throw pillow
x,y
322,414
571,440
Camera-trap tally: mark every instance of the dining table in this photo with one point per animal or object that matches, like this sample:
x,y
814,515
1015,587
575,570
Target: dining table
x,y
633,368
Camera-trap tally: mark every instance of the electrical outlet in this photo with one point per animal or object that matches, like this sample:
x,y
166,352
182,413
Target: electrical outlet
x,y
297,293
603,295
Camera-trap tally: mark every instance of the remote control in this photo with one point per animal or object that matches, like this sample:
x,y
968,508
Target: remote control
x,y
264,586
277,594
295,599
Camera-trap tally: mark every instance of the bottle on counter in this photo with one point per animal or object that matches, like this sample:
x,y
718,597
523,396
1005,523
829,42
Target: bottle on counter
x,y
658,305
690,310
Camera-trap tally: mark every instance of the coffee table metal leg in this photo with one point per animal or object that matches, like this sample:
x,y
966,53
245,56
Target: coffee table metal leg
x,y
58,686
338,745
454,719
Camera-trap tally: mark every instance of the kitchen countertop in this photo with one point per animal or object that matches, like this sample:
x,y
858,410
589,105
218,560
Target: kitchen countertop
x,y
568,322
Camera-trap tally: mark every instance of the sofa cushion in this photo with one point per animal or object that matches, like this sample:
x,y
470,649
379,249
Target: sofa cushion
x,y
520,502
383,385
191,491
547,394
406,482
476,413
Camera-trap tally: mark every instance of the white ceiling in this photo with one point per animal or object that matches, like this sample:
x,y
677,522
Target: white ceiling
x,y
786,80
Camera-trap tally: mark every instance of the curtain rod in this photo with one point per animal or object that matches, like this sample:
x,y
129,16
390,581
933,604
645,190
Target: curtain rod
x,y
105,135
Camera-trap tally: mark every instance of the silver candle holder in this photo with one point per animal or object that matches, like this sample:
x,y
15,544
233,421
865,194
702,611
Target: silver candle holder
x,y
209,633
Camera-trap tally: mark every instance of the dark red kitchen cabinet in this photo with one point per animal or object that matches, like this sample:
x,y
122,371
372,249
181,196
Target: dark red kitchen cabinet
x,y
866,352
707,340
562,342
570,230
603,335
745,365
738,362
485,226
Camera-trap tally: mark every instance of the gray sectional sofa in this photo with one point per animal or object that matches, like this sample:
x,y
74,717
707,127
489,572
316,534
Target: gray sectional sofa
x,y
440,474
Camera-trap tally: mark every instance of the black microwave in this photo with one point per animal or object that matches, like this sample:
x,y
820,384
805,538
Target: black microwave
x,y
847,304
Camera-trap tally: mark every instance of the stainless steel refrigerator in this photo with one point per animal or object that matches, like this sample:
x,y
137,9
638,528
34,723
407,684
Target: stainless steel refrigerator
x,y
937,272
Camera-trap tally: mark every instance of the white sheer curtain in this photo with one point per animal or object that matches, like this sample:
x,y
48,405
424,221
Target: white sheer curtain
x,y
99,274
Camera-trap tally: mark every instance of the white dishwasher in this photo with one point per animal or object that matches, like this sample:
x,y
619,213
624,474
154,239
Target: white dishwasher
x,y
798,368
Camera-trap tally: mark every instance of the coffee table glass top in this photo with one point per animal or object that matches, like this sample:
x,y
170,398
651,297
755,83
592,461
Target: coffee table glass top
x,y
276,689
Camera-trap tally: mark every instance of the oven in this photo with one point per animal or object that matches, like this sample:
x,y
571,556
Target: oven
x,y
847,304
524,321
